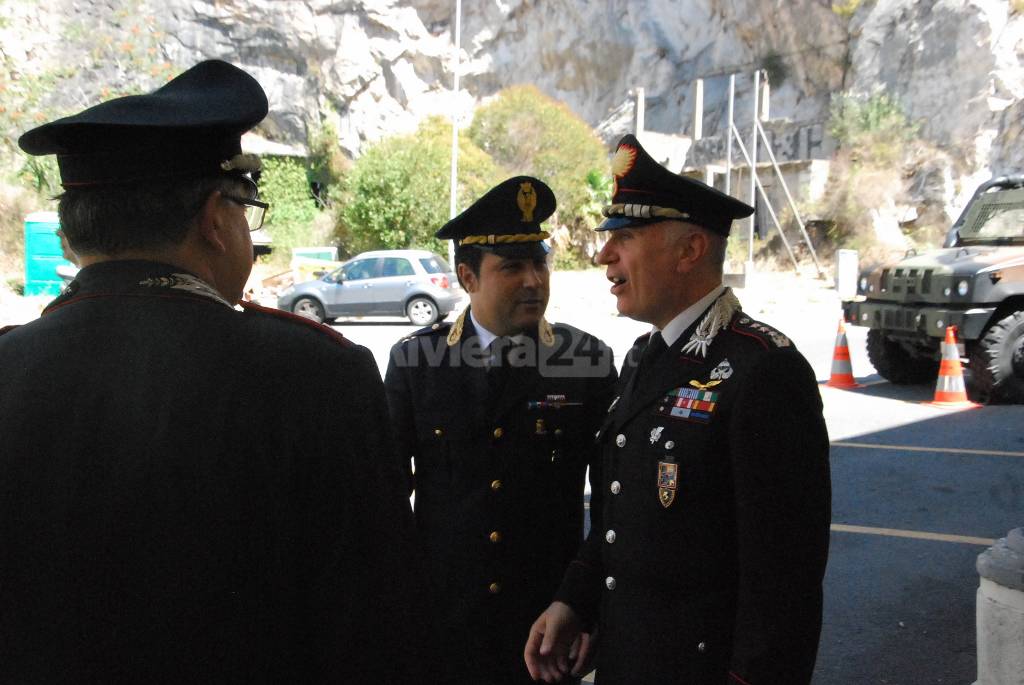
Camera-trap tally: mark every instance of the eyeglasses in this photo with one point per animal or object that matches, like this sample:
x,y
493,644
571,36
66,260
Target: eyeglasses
x,y
254,210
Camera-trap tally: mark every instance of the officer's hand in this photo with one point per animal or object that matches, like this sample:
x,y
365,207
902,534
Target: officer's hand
x,y
551,637
582,652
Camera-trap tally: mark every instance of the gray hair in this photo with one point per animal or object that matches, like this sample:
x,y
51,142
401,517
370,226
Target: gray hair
x,y
717,244
111,219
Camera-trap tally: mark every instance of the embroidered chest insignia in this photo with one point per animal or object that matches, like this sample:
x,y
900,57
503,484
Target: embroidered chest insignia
x,y
656,434
717,319
722,372
696,404
667,482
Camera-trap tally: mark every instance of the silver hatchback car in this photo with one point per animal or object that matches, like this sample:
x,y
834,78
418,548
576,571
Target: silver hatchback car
x,y
414,283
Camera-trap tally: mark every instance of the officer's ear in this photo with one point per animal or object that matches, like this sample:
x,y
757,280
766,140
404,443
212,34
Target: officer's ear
x,y
469,280
211,220
692,245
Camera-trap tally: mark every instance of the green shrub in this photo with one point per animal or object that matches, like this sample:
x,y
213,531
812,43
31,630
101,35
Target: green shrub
x,y
290,220
873,129
397,194
529,133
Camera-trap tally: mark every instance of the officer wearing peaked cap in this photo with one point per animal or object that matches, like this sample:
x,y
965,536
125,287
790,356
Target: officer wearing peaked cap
x,y
180,500
707,566
497,412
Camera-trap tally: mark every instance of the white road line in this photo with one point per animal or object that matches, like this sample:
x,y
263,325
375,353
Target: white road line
x,y
915,448
914,534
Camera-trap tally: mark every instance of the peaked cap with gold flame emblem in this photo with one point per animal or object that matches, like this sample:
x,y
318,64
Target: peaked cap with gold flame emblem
x,y
645,192
506,219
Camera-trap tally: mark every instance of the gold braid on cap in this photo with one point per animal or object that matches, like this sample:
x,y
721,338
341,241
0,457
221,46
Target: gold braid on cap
x,y
544,330
644,211
502,239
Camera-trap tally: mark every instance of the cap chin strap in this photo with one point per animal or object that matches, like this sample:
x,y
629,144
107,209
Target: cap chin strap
x,y
505,239
643,212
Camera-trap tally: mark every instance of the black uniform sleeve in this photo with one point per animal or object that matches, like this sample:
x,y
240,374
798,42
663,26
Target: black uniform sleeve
x,y
780,461
363,565
399,397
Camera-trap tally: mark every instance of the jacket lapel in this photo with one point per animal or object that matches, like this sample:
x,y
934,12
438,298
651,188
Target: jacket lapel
x,y
670,371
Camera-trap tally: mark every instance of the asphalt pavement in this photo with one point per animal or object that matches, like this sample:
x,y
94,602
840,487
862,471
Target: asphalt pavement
x,y
918,491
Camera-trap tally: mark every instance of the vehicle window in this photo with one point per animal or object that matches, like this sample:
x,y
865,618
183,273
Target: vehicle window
x,y
360,269
1000,222
435,265
396,267
996,216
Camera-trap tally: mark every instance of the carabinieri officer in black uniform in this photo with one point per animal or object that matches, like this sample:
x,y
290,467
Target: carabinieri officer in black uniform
x,y
497,412
181,500
707,568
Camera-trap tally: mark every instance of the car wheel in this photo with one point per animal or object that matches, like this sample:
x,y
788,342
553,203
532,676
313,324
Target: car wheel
x,y
997,362
309,308
896,365
421,311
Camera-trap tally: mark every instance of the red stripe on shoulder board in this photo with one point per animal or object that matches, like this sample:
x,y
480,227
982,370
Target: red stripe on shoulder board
x,y
756,337
736,678
281,314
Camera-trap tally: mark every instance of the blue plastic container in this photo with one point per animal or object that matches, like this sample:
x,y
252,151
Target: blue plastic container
x,y
42,254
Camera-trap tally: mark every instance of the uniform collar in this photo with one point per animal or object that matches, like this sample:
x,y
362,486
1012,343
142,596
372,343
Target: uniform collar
x,y
137,277
486,337
684,319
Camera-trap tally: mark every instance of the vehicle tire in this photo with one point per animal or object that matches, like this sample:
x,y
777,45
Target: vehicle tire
x,y
309,308
997,362
896,365
421,311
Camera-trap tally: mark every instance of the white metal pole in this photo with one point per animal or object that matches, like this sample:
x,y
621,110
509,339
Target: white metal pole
x,y
728,144
452,208
753,167
639,111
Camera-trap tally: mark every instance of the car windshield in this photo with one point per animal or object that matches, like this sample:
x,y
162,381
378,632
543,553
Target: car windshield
x,y
998,217
435,265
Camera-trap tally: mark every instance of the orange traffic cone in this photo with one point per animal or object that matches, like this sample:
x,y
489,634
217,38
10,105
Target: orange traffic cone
x,y
949,388
842,371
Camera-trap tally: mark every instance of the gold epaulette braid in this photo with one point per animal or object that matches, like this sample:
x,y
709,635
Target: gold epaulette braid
x,y
501,239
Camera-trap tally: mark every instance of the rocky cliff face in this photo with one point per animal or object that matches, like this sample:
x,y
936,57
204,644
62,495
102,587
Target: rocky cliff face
x,y
378,66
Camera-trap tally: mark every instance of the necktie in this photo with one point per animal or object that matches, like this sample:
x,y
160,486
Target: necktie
x,y
655,348
498,368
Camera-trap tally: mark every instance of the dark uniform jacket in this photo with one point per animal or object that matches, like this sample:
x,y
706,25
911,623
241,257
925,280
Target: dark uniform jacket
x,y
193,494
708,568
499,482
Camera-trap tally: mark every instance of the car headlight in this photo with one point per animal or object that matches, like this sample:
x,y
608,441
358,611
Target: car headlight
x,y
946,292
961,287
863,283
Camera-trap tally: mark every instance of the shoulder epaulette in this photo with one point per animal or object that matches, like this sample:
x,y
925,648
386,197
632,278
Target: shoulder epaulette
x,y
8,329
252,307
763,333
439,328
643,338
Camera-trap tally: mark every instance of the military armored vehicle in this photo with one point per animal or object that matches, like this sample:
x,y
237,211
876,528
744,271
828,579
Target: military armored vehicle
x,y
974,282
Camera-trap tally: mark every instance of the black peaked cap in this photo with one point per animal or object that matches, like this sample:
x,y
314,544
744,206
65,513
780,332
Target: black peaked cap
x,y
506,219
191,126
645,192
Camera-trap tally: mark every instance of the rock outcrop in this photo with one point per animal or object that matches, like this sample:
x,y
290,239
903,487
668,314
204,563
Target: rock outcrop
x,y
375,67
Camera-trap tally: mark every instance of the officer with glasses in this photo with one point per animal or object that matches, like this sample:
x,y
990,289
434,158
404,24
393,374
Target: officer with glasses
x,y
190,492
